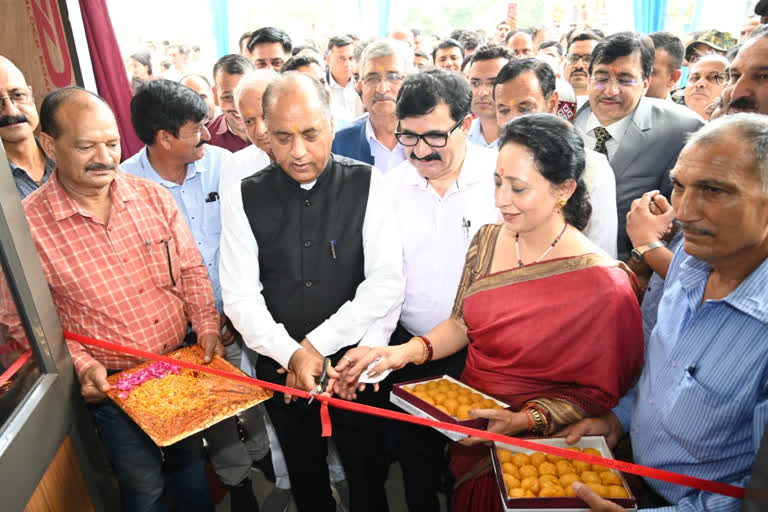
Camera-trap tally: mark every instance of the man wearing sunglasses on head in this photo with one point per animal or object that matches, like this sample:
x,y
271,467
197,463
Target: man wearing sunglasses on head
x,y
443,193
640,136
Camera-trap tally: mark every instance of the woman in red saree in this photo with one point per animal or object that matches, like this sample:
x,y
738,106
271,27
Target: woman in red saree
x,y
552,323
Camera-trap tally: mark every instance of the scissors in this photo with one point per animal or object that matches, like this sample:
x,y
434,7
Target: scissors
x,y
322,383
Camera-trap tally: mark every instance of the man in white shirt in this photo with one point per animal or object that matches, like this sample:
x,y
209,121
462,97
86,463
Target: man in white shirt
x,y
251,159
346,104
443,193
311,267
527,86
371,139
486,63
640,136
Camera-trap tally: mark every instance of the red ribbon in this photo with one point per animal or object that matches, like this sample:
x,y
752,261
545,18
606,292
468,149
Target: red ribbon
x,y
11,371
626,467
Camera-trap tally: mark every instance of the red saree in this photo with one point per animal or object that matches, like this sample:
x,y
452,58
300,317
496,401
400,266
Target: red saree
x,y
567,329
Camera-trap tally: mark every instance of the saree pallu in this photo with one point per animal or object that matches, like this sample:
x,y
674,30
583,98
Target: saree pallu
x,y
566,329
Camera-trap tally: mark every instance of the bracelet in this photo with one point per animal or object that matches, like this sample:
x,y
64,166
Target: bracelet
x,y
428,344
424,351
529,417
541,424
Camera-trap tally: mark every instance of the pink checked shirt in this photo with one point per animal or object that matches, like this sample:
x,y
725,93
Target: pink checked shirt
x,y
134,281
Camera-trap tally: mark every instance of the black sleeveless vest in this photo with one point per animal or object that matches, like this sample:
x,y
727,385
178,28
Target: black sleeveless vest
x,y
310,241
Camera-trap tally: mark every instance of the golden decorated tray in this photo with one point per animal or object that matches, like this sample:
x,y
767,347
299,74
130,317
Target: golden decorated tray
x,y
171,402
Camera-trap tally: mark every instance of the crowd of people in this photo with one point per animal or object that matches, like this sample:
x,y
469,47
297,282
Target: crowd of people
x,y
555,222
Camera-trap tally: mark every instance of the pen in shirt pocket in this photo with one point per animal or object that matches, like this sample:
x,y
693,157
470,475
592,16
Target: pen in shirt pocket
x,y
332,245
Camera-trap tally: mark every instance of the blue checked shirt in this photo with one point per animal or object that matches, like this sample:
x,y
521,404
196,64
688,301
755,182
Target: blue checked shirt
x,y
701,403
193,197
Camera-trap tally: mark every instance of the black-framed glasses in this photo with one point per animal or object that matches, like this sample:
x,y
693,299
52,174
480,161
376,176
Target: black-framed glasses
x,y
391,77
573,58
722,78
432,139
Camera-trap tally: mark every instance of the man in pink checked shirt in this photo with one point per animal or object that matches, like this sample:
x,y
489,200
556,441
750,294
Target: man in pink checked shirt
x,y
122,266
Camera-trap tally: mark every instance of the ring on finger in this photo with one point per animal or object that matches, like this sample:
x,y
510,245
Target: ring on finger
x,y
348,359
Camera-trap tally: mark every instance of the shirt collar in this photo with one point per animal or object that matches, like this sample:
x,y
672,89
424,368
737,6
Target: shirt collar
x,y
750,297
50,165
64,206
616,129
334,85
476,134
193,168
370,136
470,173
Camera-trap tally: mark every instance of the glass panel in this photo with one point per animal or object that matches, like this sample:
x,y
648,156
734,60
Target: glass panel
x,y
18,367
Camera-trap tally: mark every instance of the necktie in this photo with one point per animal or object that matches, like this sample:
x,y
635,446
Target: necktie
x,y
602,136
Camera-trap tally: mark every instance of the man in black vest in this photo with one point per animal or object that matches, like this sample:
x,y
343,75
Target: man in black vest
x,y
311,266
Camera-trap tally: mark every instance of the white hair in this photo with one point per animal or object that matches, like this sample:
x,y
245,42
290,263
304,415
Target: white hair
x,y
387,48
253,79
751,128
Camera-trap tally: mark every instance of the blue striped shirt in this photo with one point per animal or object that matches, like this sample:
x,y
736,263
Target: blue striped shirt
x,y
701,403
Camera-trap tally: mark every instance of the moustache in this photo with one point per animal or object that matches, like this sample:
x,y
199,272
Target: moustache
x,y
696,230
745,103
429,158
383,97
9,120
200,143
100,167
579,71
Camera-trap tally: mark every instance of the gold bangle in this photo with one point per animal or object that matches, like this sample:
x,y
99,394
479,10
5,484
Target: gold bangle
x,y
425,350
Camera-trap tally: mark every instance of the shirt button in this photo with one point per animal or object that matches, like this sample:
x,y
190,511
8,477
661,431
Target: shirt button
x,y
650,401
157,321
307,324
674,364
307,243
308,284
141,290
307,202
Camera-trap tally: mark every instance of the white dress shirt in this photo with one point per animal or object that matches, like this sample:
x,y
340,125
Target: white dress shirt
x,y
346,105
384,158
436,233
601,185
617,130
368,319
239,165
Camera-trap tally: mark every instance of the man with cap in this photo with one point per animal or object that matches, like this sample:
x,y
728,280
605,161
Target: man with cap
x,y
711,41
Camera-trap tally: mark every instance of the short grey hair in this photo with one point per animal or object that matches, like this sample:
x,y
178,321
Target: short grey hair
x,y
387,48
751,128
293,79
251,80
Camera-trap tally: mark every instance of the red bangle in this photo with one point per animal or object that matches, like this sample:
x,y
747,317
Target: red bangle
x,y
428,343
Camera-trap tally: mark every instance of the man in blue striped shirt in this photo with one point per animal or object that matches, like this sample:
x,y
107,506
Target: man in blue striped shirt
x,y
701,403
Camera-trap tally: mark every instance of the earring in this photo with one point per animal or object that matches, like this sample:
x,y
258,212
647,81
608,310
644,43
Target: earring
x,y
559,205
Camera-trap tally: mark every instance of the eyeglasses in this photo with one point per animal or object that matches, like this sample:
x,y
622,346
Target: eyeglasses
x,y
604,81
17,98
476,83
713,78
392,78
573,58
432,139
722,78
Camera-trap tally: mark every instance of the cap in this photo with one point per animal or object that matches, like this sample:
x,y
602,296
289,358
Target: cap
x,y
720,41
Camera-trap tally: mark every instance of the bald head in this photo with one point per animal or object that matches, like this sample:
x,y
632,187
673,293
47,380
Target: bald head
x,y
297,85
76,97
248,101
18,116
299,125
